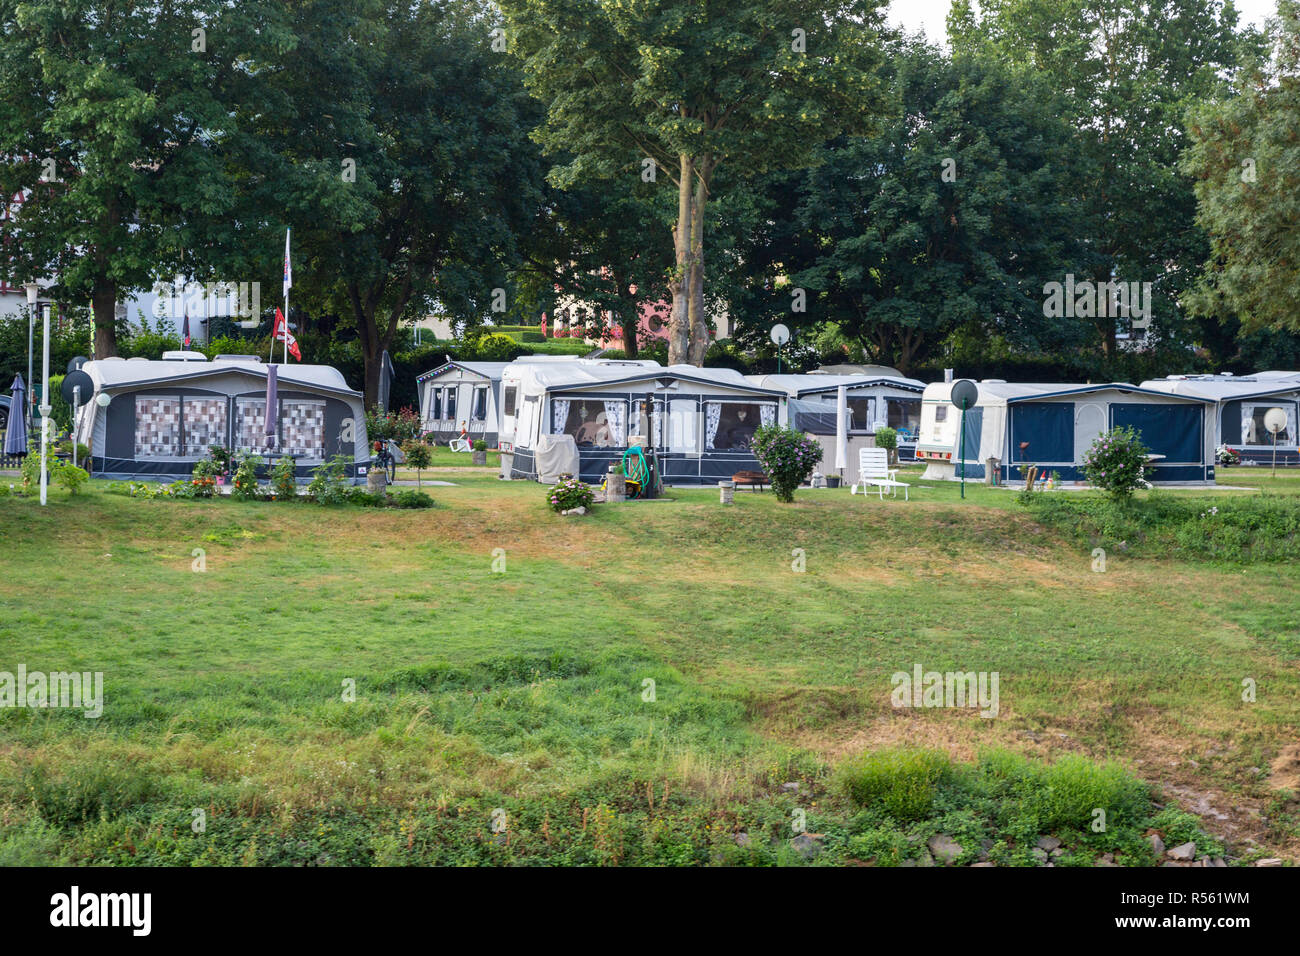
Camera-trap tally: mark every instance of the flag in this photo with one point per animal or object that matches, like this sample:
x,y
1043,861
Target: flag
x,y
185,329
281,333
288,268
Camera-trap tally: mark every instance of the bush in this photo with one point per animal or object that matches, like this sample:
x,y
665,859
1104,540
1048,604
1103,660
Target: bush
x,y
788,458
357,495
244,484
1068,791
887,438
479,445
899,783
69,475
412,499
328,485
1117,462
401,426
284,480
570,493
531,336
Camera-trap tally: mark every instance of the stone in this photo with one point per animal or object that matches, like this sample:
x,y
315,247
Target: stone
x,y
1271,861
742,839
1058,852
1157,844
1039,854
1184,851
1218,861
984,863
789,788
944,848
808,844
1048,843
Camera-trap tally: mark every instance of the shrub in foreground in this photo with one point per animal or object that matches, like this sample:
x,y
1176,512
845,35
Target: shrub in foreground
x,y
570,493
898,783
1117,462
788,458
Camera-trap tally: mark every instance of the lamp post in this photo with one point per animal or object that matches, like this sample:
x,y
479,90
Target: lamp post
x,y
46,408
32,291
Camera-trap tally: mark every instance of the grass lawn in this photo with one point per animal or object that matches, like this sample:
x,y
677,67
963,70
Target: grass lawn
x,y
507,715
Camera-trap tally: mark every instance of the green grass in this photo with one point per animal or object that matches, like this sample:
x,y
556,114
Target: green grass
x,y
527,691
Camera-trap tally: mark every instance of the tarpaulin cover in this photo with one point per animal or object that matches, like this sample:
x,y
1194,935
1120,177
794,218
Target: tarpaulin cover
x,y
1170,430
813,418
1049,429
555,455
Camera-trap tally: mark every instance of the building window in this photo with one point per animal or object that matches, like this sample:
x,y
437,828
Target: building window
x,y
593,423
904,416
158,426
508,400
730,426
204,421
478,411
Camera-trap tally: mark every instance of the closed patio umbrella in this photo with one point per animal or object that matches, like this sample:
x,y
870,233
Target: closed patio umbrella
x,y
16,430
272,403
841,429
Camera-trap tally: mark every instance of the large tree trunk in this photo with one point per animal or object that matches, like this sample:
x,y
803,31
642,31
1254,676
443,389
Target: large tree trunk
x,y
103,303
699,343
679,283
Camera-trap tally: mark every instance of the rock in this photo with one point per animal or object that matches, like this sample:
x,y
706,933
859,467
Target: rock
x,y
808,844
1219,861
1039,854
1271,861
984,863
1058,852
1048,843
1184,851
944,848
789,788
742,839
1157,844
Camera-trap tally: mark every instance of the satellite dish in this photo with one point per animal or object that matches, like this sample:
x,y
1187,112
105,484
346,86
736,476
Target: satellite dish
x,y
102,399
964,394
780,334
76,363
1275,420
77,379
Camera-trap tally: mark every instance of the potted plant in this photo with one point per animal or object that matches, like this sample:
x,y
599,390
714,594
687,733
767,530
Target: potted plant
x,y
888,438
832,480
480,452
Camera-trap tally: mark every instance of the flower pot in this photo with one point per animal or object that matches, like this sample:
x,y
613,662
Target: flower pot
x,y
479,457
376,480
832,481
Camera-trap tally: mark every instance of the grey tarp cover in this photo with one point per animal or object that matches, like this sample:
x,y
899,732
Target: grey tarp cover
x,y
555,455
815,418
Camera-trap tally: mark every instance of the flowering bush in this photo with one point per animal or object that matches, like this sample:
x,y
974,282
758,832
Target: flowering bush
x,y
401,426
1226,456
244,485
570,493
788,457
1117,462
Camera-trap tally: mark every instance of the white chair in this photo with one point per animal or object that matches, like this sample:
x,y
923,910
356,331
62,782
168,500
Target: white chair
x,y
458,444
874,471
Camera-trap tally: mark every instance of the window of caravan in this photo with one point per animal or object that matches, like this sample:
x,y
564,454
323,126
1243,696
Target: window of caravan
x,y
683,429
1255,432
435,404
479,410
1048,427
940,413
302,427
158,426
449,404
203,424
508,400
729,426
593,423
1170,430
250,424
641,424
904,416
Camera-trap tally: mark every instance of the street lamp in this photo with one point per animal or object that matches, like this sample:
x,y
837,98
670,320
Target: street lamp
x,y
46,407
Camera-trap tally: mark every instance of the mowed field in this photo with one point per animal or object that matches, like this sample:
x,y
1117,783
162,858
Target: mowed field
x,y
640,684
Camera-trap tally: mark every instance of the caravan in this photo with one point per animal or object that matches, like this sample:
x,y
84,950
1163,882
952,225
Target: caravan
x,y
1052,426
580,416
458,392
1240,406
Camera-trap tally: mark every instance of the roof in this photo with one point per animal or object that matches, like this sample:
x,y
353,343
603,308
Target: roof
x,y
489,370
558,375
1223,388
110,374
874,371
797,385
1009,393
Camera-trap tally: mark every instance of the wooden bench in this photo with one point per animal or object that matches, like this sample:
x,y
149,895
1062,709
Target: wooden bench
x,y
754,480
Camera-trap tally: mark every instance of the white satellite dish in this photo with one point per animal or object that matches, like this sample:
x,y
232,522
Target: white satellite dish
x,y
1275,420
780,334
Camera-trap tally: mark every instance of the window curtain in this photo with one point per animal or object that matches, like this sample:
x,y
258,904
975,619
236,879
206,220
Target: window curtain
x,y
713,415
304,428
616,418
1249,433
250,424
656,436
157,427
559,415
768,415
205,424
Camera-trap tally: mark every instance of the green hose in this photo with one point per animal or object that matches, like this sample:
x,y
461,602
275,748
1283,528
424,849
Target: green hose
x,y
637,468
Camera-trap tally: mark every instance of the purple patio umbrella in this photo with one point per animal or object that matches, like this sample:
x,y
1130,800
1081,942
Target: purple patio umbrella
x,y
16,430
272,404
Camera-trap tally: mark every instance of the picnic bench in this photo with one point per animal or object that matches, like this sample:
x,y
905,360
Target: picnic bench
x,y
753,480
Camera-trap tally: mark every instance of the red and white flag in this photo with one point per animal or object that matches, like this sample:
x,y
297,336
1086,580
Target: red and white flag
x,y
281,333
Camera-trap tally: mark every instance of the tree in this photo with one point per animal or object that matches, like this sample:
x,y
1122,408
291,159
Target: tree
x,y
952,216
401,152
677,89
419,456
1245,159
120,120
1128,70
